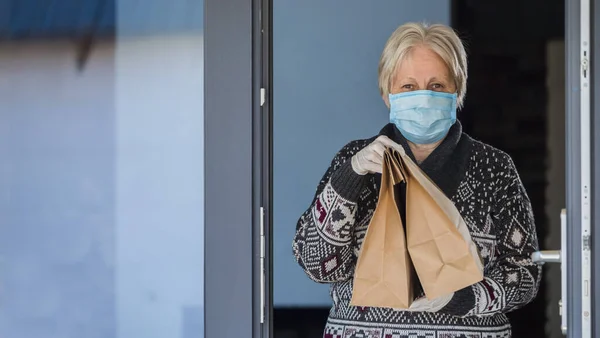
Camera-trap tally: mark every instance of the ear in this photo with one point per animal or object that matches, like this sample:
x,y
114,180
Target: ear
x,y
386,100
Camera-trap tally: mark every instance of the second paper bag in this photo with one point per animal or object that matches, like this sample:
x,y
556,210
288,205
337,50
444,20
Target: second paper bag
x,y
431,239
439,243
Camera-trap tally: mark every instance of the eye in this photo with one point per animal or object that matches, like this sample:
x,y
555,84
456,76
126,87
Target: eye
x,y
408,86
437,86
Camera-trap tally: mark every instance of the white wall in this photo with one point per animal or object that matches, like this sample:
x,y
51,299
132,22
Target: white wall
x,y
160,184
325,95
101,224
57,226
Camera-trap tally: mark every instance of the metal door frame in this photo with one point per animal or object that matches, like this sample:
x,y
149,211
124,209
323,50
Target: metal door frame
x,y
595,60
232,77
582,193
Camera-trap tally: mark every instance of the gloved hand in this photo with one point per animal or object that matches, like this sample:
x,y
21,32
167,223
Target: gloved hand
x,y
370,159
433,305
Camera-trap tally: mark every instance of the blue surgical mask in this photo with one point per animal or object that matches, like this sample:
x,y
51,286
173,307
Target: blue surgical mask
x,y
423,116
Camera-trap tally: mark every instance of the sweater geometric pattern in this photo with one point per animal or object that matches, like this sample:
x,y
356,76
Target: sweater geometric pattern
x,y
491,199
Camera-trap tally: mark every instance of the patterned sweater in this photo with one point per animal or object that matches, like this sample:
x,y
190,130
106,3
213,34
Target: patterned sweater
x,y
485,187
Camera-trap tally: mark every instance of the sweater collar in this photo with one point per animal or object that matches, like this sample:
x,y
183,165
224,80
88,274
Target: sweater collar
x,y
447,164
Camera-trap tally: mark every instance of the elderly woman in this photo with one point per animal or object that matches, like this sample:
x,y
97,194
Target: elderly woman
x,y
422,79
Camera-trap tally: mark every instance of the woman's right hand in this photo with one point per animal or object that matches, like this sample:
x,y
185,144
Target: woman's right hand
x,y
370,159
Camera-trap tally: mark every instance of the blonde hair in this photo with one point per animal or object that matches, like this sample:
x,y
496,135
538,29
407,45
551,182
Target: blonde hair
x,y
439,38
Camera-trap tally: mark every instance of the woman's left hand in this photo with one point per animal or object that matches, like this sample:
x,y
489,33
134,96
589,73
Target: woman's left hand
x,y
433,305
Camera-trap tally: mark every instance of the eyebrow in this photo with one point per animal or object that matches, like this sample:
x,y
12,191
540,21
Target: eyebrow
x,y
436,79
430,80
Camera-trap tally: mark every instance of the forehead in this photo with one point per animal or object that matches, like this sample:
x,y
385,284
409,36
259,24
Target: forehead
x,y
422,61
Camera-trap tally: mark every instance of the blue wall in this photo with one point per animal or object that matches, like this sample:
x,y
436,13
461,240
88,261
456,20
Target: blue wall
x,y
102,184
325,94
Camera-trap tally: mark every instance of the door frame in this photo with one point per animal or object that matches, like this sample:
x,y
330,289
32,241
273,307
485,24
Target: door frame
x,y
582,166
231,109
595,35
573,158
264,183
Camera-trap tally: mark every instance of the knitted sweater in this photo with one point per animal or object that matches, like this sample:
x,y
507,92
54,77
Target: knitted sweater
x,y
483,184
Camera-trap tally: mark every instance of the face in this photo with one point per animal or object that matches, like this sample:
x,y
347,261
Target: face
x,y
422,69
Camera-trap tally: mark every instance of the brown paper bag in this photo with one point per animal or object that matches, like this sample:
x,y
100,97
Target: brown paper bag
x,y
432,248
382,276
439,242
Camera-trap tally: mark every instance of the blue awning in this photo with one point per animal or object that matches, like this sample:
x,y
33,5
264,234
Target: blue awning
x,y
55,18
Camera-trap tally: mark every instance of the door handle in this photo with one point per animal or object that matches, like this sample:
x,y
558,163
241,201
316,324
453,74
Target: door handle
x,y
546,256
558,256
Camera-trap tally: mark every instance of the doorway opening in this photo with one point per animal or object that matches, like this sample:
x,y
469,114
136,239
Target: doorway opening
x,y
515,102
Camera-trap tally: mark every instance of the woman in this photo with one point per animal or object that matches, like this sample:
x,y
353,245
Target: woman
x,y
422,79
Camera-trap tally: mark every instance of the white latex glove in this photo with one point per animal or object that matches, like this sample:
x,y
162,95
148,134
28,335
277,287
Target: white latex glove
x,y
434,305
370,159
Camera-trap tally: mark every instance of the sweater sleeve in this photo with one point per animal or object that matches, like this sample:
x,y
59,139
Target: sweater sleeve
x,y
323,244
514,279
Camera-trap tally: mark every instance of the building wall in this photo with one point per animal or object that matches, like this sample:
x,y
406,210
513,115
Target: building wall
x,y
101,205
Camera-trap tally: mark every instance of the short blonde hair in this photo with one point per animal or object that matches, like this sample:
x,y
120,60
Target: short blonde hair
x,y
440,38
